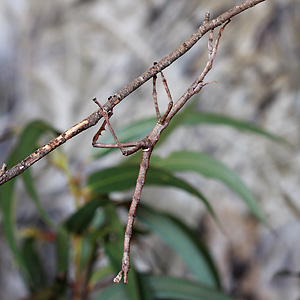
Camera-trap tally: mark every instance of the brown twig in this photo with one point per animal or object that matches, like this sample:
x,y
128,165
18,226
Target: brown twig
x,y
123,93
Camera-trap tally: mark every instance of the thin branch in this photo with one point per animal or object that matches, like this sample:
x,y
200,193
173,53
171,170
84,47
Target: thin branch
x,y
127,90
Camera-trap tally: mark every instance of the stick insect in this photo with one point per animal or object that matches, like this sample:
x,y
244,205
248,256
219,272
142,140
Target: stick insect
x,y
147,144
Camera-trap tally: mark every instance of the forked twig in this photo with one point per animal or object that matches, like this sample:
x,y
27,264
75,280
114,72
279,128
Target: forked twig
x,y
147,144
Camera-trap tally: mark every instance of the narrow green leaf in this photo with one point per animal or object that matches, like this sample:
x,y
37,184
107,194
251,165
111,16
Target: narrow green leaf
x,y
168,288
196,118
26,145
31,135
89,248
114,292
209,167
34,264
7,202
82,218
100,274
29,184
182,289
98,220
62,251
114,249
124,177
56,290
194,255
201,247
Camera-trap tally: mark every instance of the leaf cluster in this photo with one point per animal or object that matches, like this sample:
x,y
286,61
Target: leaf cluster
x,y
89,243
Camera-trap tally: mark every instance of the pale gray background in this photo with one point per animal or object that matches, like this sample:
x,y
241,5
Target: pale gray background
x,y
55,56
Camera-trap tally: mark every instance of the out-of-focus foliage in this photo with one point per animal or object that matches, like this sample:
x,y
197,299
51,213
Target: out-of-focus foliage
x,y
89,243
57,55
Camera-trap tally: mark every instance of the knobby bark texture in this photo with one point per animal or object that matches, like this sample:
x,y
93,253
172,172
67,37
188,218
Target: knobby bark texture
x,y
8,174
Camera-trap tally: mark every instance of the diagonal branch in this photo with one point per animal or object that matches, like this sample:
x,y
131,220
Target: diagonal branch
x,y
8,174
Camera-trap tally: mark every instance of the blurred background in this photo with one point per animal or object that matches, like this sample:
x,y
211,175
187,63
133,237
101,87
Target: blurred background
x,y
55,56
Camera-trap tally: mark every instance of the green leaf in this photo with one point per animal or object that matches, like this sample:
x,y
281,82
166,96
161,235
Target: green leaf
x,y
26,145
29,184
82,218
209,167
34,264
196,118
100,274
56,290
7,202
114,249
114,292
124,177
179,238
79,222
31,135
167,288
177,288
201,247
89,247
62,251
